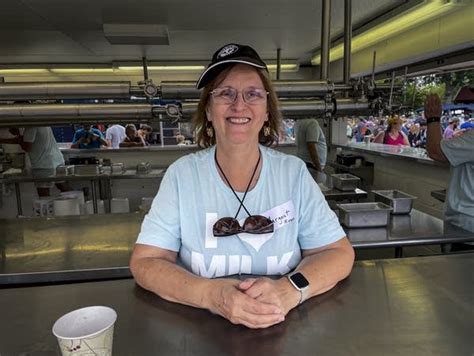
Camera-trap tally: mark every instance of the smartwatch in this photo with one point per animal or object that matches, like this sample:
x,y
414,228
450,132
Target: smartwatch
x,y
301,284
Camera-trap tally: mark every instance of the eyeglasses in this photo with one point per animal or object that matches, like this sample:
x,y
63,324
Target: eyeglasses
x,y
254,224
228,95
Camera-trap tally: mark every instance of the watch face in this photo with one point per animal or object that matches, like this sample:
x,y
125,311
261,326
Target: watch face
x,y
299,280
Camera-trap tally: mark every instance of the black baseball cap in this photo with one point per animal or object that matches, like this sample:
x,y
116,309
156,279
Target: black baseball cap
x,y
230,53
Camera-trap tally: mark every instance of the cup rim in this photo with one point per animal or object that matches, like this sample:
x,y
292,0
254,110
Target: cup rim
x,y
114,318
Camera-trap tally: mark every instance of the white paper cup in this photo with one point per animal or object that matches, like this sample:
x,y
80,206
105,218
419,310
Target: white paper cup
x,y
86,331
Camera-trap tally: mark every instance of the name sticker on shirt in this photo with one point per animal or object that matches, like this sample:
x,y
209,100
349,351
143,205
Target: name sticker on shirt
x,y
281,215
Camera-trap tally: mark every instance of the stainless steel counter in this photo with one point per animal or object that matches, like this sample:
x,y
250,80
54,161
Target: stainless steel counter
x,y
91,247
402,152
415,306
414,229
128,174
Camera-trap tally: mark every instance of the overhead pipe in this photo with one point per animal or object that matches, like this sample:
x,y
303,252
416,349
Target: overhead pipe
x,y
284,88
304,108
65,90
57,114
347,40
325,39
352,107
175,90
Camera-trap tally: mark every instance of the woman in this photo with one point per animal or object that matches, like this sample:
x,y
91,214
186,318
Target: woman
x,y
393,135
254,210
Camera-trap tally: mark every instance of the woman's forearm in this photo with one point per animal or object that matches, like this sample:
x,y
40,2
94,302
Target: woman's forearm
x,y
326,268
170,281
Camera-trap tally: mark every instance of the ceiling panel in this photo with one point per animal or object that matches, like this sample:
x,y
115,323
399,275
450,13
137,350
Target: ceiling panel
x,y
71,31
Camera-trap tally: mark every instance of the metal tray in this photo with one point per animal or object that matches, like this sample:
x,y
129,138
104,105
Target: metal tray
x,y
345,181
400,202
86,169
364,214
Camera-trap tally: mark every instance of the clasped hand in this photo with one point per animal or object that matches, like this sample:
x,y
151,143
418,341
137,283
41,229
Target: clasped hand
x,y
255,302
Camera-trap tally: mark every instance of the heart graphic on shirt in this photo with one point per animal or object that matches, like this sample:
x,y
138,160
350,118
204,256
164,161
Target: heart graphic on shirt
x,y
256,241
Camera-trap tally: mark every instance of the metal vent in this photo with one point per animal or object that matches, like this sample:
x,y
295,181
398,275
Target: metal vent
x,y
136,34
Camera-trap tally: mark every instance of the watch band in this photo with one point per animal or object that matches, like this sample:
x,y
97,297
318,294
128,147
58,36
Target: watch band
x,y
432,119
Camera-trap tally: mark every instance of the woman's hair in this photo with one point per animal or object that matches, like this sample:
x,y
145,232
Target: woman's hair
x,y
392,120
201,123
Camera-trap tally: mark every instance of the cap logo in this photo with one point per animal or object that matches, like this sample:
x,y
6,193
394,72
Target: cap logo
x,y
227,50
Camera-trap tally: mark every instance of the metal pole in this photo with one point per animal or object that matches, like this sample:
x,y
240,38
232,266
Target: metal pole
x,y
374,58
347,40
145,68
18,199
278,63
325,38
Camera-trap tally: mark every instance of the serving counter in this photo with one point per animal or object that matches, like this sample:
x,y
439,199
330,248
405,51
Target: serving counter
x,y
404,168
414,306
91,247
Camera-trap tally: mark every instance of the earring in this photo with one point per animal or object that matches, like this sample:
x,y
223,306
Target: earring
x,y
266,130
210,131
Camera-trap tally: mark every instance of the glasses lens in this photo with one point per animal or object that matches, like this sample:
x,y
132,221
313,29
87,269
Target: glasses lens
x,y
254,95
226,227
258,224
225,95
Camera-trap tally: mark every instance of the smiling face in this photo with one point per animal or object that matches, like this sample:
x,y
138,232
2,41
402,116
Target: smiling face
x,y
239,122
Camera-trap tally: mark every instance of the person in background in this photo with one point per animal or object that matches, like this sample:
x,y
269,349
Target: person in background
x,y
256,210
132,138
467,124
88,137
393,134
451,128
114,135
423,131
180,140
40,145
145,132
414,134
361,131
458,152
311,147
348,130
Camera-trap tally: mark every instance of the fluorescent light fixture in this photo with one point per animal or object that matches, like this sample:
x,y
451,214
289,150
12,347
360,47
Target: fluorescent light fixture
x,y
81,70
163,68
427,11
289,67
24,71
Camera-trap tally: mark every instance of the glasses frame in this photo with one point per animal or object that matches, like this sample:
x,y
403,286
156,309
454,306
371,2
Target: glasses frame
x,y
241,92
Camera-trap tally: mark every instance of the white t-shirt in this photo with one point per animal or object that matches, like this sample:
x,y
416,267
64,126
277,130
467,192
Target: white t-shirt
x,y
116,134
309,131
192,197
459,208
44,153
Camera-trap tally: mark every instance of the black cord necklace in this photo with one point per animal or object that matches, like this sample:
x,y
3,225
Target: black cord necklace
x,y
230,185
